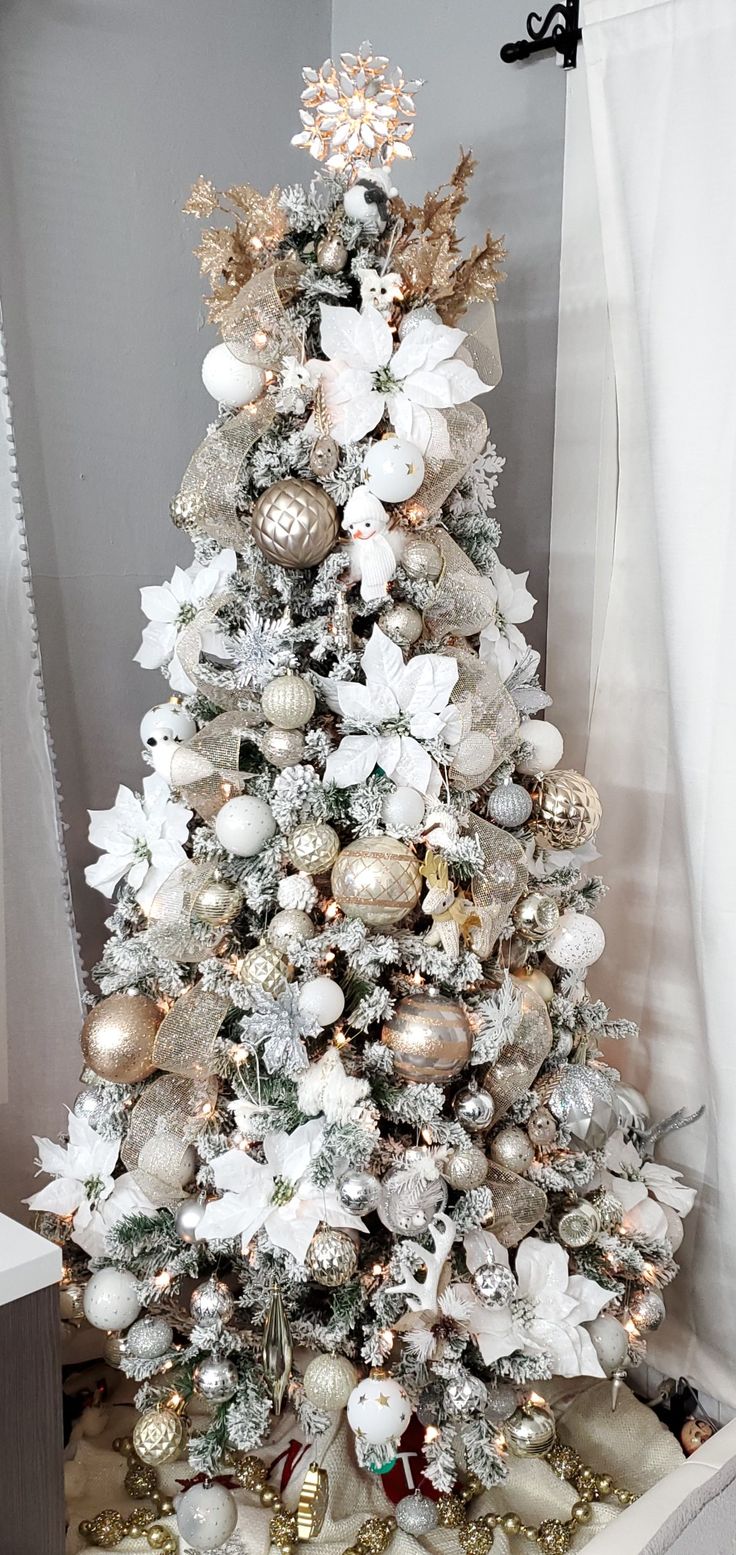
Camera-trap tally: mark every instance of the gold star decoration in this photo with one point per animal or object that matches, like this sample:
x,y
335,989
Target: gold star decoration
x,y
383,1400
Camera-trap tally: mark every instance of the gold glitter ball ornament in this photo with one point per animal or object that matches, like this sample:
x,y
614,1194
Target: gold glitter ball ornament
x,y
313,847
331,1257
283,747
329,1380
535,916
403,623
567,810
421,558
288,925
217,904
378,880
118,1036
294,523
288,702
332,255
265,967
430,1039
466,1169
158,1436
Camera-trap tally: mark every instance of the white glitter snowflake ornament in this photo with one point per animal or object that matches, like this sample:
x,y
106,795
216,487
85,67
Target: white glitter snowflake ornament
x,y
357,110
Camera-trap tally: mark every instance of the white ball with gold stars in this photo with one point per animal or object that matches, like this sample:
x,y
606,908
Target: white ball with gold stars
x,y
378,1409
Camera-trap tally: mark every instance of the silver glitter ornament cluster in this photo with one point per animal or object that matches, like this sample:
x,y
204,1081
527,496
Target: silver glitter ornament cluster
x,y
494,1285
584,1101
509,805
149,1337
416,1514
211,1303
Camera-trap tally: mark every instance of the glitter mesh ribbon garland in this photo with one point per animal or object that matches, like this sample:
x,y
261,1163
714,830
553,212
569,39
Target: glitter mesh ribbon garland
x,y
500,882
173,1110
174,928
490,720
518,1205
464,601
467,427
517,1067
206,769
216,684
186,1039
257,330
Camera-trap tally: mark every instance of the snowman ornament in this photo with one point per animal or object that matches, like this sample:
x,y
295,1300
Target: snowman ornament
x,y
374,552
367,200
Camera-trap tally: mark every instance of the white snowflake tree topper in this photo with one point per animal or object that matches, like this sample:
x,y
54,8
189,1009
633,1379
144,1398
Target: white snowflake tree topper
x,y
358,109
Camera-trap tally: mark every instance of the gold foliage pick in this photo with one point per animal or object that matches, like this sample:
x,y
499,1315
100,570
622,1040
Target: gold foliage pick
x,y
427,248
229,256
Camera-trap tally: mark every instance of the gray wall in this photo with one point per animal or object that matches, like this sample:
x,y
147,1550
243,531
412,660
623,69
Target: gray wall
x,y
108,111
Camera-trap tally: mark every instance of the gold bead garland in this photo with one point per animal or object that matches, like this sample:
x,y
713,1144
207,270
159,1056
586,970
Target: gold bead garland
x,y
110,1527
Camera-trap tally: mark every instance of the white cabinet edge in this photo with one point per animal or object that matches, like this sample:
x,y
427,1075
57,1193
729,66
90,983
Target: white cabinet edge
x,y
27,1262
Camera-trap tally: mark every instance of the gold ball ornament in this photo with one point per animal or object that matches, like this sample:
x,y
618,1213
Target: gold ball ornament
x,y
530,1431
288,702
329,1380
118,1036
421,558
403,623
535,916
331,1257
537,980
294,523
429,1037
466,1169
158,1436
377,879
217,904
71,1303
265,967
332,254
512,1148
288,925
283,747
567,810
314,847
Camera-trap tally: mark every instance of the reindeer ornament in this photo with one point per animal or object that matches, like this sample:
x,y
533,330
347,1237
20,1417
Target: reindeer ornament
x,y
453,916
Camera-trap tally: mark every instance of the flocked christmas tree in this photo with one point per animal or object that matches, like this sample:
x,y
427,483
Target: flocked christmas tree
x,y
344,1094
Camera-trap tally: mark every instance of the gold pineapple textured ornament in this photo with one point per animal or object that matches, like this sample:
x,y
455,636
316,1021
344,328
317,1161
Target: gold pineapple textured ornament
x,y
567,810
158,1436
377,879
313,847
294,523
265,967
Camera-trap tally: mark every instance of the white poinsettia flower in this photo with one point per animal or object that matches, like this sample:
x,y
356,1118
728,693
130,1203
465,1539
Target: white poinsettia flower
x,y
501,642
403,707
141,837
277,1194
172,606
653,1197
547,1315
83,1185
365,377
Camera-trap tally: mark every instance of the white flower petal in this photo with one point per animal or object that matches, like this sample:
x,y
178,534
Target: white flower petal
x,y
425,346
353,761
361,340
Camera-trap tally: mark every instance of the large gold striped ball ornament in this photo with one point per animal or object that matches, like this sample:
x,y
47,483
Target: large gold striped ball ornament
x,y
288,702
567,810
313,847
118,1036
378,880
294,523
430,1038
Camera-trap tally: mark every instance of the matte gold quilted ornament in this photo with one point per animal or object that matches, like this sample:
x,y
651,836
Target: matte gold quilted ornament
x,y
294,523
567,810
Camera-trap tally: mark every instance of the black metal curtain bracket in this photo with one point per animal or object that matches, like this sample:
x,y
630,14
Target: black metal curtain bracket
x,y
559,30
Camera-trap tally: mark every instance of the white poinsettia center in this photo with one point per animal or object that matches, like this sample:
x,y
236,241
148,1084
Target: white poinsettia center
x,y
186,613
384,381
95,1188
142,850
283,1191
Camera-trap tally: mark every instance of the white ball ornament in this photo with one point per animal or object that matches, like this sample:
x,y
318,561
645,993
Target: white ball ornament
x,y
576,942
322,999
206,1516
244,825
403,809
378,1409
545,743
393,469
166,724
111,1299
229,381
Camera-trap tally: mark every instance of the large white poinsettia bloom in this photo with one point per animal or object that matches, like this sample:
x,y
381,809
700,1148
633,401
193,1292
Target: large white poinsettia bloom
x,y
501,642
413,384
277,1194
402,707
142,838
172,606
84,1187
547,1315
653,1197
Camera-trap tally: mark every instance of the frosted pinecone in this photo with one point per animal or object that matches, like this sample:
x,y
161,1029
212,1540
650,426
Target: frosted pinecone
x,y
297,891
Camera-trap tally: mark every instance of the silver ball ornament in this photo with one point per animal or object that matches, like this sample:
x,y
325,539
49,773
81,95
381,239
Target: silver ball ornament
x,y
535,916
329,1380
509,805
647,1309
211,1303
149,1337
464,1395
512,1148
579,1226
632,1109
331,1257
217,904
403,623
216,1379
474,1109
283,747
287,926
187,1217
494,1285
416,1514
71,1302
359,1192
466,1169
89,1106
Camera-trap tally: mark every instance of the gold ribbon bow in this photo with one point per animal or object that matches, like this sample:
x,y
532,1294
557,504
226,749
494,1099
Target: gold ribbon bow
x,y
518,1205
256,328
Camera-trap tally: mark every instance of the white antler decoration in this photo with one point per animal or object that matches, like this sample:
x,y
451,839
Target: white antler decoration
x,y
421,1295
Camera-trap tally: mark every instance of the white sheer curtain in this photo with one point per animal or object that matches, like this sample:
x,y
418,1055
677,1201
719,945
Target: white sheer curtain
x,y
40,980
651,543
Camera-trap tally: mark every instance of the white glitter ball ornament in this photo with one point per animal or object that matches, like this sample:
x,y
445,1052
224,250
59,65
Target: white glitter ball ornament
x,y
166,724
416,1514
329,1381
288,702
403,809
289,925
545,745
321,999
111,1299
378,1409
576,942
244,825
206,1516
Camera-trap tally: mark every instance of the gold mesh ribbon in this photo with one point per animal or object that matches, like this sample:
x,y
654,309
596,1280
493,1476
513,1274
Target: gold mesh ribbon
x,y
518,1066
257,330
464,601
466,424
216,684
206,769
518,1205
490,720
500,883
174,929
170,1114
185,1040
